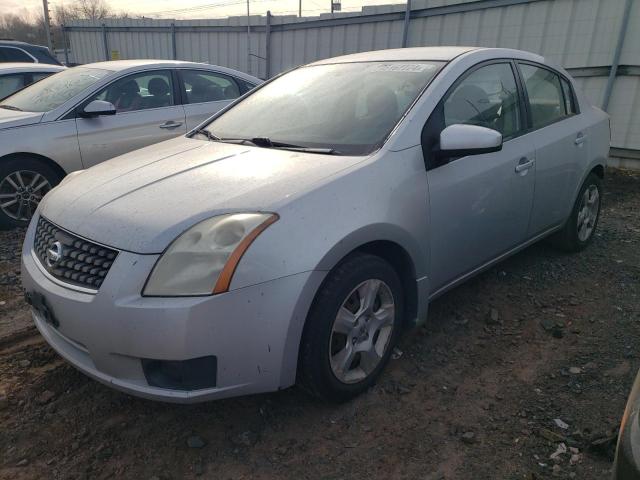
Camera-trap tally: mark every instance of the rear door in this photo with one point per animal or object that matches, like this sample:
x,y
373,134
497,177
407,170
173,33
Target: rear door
x,y
479,204
147,113
560,138
205,92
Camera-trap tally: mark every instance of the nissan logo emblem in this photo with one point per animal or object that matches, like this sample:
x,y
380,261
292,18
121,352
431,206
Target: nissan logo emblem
x,y
54,254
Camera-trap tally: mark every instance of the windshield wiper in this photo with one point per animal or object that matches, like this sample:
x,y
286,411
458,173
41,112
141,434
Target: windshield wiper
x,y
266,142
208,134
11,107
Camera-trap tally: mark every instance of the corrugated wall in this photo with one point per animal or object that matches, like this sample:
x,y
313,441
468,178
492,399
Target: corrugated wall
x,y
576,34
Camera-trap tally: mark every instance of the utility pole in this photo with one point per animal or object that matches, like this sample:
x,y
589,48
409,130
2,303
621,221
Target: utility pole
x,y
47,25
248,40
299,8
331,6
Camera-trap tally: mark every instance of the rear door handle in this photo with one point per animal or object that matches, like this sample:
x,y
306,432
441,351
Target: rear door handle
x,y
170,124
580,139
524,164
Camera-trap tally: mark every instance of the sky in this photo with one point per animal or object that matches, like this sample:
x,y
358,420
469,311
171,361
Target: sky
x,y
203,8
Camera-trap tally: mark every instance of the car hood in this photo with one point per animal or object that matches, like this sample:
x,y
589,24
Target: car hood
x,y
143,200
12,118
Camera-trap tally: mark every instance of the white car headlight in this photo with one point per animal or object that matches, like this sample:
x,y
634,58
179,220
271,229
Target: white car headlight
x,y
202,260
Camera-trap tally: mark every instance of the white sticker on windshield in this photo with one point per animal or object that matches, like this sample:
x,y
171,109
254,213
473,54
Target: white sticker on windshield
x,y
401,67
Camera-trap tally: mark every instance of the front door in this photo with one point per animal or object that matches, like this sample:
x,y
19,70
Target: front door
x,y
146,113
480,204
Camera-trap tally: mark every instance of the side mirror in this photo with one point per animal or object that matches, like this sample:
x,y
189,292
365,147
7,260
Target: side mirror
x,y
98,107
461,140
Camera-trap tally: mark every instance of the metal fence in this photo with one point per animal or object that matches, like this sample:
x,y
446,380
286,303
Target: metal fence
x,y
598,41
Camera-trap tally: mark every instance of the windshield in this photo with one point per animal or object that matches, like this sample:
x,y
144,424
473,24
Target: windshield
x,y
350,107
53,91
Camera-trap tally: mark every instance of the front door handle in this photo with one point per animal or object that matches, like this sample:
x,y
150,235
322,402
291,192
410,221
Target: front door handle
x,y
524,164
170,124
580,139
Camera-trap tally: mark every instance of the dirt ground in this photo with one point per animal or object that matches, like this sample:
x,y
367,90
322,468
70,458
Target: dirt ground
x,y
532,356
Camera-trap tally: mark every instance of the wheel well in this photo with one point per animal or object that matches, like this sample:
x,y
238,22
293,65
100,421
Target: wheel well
x,y
41,158
599,171
401,261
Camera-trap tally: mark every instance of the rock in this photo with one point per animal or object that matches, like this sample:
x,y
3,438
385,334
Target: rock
x,y
22,463
493,318
468,437
24,363
246,439
548,324
195,441
438,475
575,458
560,423
562,448
575,370
45,397
396,354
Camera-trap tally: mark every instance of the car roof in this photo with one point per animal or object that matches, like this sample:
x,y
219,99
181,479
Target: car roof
x,y
18,43
25,66
121,65
401,54
444,54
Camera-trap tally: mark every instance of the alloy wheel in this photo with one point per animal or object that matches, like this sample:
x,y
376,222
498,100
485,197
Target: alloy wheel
x,y
588,212
361,331
20,193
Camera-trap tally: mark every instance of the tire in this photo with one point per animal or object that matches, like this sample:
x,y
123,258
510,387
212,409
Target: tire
x,y
580,228
325,341
34,177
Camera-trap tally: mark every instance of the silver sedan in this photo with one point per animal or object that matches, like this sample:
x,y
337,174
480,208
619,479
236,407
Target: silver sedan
x,y
85,115
296,234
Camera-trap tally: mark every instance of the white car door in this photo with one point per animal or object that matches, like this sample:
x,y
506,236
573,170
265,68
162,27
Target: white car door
x,y
146,112
480,204
561,143
205,92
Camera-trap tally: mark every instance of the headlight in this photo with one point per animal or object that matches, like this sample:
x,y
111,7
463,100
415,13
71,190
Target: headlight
x,y
202,260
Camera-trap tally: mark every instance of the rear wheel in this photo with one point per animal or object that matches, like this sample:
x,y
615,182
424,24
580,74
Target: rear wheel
x,y
581,226
351,328
23,183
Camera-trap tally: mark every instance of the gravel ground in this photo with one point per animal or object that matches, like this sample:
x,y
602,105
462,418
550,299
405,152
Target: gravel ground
x,y
521,373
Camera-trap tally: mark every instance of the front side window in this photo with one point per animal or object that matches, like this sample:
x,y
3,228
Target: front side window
x,y
545,95
11,83
487,97
139,91
36,77
348,107
53,91
201,86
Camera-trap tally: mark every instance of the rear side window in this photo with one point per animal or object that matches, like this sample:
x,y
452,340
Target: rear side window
x,y
201,86
568,97
10,83
487,97
546,98
10,54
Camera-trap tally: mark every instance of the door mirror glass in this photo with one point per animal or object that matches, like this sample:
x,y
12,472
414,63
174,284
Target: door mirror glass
x,y
98,107
460,140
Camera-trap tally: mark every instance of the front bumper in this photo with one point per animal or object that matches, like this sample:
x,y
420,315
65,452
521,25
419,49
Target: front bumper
x,y
626,465
253,332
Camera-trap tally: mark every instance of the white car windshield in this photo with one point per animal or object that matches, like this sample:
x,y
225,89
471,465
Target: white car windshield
x,y
348,108
53,91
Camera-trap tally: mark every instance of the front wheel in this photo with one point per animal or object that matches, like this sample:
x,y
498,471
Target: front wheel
x,y
581,225
351,328
23,183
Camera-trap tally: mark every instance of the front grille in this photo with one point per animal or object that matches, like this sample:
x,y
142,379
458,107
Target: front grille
x,y
73,260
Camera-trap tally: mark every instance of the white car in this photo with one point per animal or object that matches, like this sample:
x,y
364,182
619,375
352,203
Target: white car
x,y
15,76
88,114
303,228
